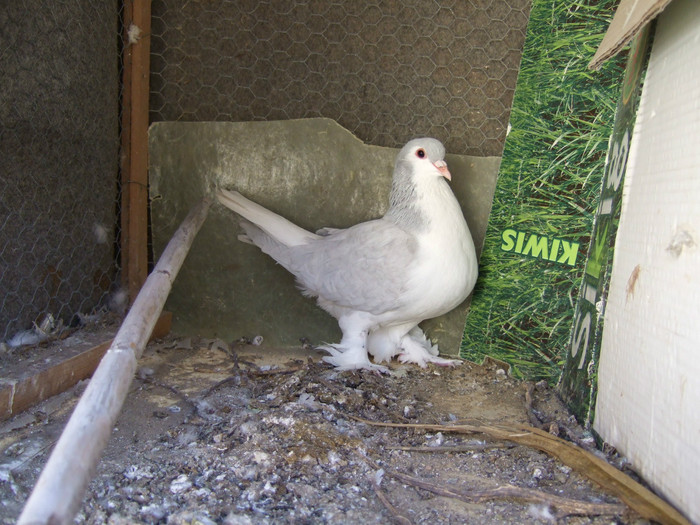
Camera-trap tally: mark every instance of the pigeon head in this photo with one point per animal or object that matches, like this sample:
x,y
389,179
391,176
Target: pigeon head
x,y
425,156
418,163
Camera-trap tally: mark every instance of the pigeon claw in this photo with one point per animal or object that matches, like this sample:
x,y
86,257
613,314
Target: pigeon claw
x,y
423,360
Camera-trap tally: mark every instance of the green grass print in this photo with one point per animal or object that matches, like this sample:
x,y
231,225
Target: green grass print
x,y
549,183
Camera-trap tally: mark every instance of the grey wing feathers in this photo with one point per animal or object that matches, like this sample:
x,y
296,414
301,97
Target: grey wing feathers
x,y
363,268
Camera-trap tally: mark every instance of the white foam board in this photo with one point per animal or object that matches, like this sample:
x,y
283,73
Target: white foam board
x,y
649,374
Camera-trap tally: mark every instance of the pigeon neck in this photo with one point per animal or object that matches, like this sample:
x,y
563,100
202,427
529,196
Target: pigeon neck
x,y
404,209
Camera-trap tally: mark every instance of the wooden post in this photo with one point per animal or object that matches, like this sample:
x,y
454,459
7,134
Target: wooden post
x,y
58,492
134,155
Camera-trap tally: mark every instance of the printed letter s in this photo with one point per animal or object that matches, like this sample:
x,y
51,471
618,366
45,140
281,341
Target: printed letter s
x,y
508,237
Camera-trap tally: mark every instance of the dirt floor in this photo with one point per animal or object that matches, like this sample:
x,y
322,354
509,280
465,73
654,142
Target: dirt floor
x,y
242,434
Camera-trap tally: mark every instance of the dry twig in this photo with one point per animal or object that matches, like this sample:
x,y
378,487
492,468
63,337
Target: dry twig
x,y
276,371
531,416
564,506
179,393
455,449
219,384
398,518
641,500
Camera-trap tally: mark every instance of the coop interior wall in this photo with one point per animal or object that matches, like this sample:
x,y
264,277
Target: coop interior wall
x,y
59,147
387,71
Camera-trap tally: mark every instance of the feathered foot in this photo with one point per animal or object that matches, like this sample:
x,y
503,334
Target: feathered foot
x,y
416,348
353,358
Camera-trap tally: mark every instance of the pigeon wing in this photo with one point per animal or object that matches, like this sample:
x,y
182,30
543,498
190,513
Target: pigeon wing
x,y
365,267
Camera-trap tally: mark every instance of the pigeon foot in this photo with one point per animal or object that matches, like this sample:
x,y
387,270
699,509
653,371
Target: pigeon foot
x,y
420,352
343,358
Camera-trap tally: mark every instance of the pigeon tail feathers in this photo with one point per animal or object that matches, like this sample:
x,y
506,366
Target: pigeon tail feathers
x,y
268,244
276,226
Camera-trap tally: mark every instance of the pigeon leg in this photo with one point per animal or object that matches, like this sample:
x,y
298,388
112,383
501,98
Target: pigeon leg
x,y
419,336
351,352
343,358
385,342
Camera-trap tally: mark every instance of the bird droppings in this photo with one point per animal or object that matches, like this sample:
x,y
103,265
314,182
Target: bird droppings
x,y
264,436
682,240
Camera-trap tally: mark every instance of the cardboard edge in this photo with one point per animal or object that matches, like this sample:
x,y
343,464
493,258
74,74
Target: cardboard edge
x,y
630,17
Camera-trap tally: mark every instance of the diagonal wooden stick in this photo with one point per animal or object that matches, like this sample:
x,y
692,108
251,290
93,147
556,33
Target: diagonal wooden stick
x,y
58,492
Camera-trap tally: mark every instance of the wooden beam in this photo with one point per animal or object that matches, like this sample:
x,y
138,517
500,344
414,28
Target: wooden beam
x,y
134,155
17,395
59,490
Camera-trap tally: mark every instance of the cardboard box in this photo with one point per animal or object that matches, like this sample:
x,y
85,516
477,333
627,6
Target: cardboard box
x,y
546,194
578,382
649,371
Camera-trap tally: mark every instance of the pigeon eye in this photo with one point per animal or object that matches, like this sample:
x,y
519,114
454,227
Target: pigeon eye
x,y
420,153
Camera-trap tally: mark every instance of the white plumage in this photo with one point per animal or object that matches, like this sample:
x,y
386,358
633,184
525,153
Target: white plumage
x,y
380,278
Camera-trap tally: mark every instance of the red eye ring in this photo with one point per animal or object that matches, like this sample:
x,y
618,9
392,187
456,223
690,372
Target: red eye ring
x,y
420,153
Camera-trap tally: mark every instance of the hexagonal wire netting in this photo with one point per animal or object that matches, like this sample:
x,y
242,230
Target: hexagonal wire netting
x,y
386,70
59,159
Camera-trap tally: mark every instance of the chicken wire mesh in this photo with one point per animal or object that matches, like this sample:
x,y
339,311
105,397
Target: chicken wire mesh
x,y
386,70
59,161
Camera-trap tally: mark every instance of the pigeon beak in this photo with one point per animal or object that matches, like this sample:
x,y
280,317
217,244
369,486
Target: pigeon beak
x,y
441,166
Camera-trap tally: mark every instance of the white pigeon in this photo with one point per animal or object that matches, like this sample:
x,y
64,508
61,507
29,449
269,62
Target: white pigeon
x,y
382,277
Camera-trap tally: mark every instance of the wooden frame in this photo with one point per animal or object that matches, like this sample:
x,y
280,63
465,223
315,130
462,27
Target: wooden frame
x,y
27,390
134,139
